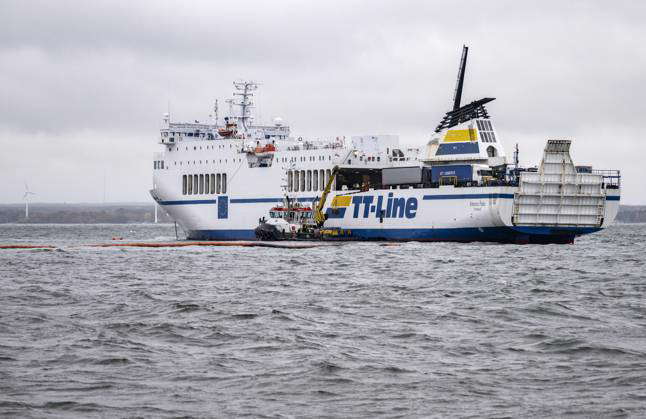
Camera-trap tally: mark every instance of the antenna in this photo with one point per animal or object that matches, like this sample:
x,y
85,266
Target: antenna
x,y
230,102
25,197
245,89
457,98
215,112
516,161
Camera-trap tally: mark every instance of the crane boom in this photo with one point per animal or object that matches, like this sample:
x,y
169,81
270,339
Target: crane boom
x,y
319,217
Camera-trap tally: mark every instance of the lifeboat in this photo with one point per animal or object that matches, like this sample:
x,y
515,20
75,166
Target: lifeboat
x,y
264,151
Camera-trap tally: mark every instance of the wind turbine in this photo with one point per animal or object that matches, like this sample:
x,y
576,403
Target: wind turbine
x,y
26,198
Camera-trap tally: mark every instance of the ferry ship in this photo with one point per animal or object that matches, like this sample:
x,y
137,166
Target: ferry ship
x,y
218,179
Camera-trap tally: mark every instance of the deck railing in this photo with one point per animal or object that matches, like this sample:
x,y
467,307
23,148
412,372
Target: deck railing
x,y
611,178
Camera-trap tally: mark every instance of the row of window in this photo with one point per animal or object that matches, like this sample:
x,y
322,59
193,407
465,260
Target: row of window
x,y
307,180
158,164
204,184
189,134
310,158
207,161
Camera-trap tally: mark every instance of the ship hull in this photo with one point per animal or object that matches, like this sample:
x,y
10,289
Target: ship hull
x,y
483,214
528,235
446,214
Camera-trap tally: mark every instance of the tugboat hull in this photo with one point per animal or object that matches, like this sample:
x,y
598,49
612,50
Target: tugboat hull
x,y
268,232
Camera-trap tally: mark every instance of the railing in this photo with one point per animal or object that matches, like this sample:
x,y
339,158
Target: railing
x,y
316,145
611,178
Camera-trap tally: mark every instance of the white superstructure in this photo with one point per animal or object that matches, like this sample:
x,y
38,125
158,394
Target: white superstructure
x,y
217,179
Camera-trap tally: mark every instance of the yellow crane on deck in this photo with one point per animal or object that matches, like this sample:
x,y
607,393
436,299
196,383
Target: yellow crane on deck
x,y
319,217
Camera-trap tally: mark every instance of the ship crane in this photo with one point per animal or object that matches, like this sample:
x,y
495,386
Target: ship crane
x,y
319,217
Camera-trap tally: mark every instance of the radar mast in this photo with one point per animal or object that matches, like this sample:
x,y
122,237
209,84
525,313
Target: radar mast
x,y
245,92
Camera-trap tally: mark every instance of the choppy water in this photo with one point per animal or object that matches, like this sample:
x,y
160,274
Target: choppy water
x,y
361,330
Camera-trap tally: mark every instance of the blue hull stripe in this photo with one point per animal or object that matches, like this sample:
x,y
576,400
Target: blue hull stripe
x,y
261,200
469,196
492,234
221,235
193,202
310,199
254,200
233,201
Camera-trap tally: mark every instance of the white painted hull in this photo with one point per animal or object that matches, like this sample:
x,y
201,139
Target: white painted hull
x,y
251,191
455,214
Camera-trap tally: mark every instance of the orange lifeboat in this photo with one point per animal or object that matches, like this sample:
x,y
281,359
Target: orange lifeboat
x,y
264,150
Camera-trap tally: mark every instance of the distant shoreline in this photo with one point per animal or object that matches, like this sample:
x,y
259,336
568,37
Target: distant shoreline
x,y
138,213
61,213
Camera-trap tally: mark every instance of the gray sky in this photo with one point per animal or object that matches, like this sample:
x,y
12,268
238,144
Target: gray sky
x,y
83,84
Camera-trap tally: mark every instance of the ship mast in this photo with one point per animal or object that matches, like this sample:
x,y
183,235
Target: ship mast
x,y
215,112
461,113
245,89
457,97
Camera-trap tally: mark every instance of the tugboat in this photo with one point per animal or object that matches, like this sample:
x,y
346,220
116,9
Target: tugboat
x,y
288,221
293,221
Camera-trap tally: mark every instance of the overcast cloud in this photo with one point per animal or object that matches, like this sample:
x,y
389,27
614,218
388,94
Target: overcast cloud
x,y
83,84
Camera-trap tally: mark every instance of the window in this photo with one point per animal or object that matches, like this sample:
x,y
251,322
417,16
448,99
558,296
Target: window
x,y
322,179
296,181
315,180
201,184
212,183
309,180
224,183
302,181
196,181
290,179
207,182
219,179
184,185
190,184
328,174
